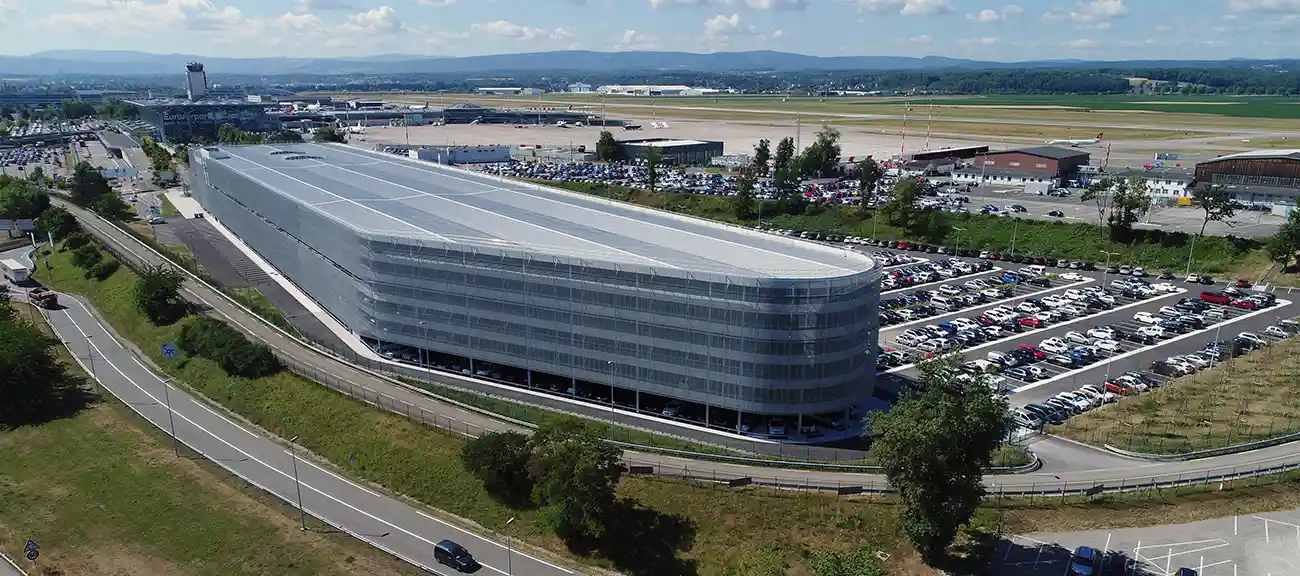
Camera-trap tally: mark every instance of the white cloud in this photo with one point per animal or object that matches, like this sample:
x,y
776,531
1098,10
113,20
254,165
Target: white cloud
x,y
777,34
906,7
1099,11
1081,44
506,30
377,22
772,4
1055,14
435,2
922,39
657,4
309,6
1282,6
989,15
633,40
133,17
982,41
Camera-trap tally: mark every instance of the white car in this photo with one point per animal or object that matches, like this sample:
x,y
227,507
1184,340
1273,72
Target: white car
x,y
1196,360
1106,395
1164,287
1277,332
1102,333
1072,277
1071,310
964,324
1076,338
950,291
1028,308
991,294
1147,318
1075,294
1104,297
1055,301
1139,272
1253,336
1034,371
1054,346
1152,331
1169,311
1076,400
1111,346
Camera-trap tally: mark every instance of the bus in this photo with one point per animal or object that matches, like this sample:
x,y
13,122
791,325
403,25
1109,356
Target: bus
x,y
14,272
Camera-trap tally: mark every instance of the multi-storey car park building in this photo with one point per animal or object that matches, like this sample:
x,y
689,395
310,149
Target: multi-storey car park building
x,y
556,290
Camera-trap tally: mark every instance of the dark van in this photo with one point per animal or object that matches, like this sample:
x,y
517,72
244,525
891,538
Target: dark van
x,y
451,554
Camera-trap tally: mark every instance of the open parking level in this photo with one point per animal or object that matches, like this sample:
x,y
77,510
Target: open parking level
x,y
1249,545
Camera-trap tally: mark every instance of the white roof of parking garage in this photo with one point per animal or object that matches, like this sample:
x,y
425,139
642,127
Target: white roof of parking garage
x,y
381,193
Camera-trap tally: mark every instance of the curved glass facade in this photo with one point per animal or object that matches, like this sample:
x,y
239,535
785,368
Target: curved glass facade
x,y
758,345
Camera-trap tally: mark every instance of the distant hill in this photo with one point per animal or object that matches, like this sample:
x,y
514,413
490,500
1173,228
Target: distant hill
x,y
128,63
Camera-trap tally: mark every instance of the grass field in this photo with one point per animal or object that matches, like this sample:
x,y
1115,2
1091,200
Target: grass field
x,y
1221,112
1074,241
1252,397
745,532
168,210
103,493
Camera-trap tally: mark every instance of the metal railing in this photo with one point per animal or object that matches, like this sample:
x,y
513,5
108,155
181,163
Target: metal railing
x,y
1220,451
780,478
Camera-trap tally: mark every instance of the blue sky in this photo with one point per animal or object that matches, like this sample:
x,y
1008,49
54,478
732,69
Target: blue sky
x,y
981,29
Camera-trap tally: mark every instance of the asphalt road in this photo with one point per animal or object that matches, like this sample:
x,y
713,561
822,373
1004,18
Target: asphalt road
x,y
383,521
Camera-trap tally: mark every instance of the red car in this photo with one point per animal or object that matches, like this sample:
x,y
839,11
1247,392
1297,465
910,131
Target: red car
x,y
1245,303
1216,297
1031,322
1119,387
902,245
1038,354
1242,283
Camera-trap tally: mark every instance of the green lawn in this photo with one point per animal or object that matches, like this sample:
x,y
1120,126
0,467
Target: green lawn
x,y
168,209
102,493
1074,241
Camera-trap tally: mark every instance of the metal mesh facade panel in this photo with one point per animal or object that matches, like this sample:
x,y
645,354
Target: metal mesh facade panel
x,y
760,345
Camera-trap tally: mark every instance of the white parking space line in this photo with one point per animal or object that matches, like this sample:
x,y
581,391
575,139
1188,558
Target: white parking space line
x,y
994,304
1218,326
1048,327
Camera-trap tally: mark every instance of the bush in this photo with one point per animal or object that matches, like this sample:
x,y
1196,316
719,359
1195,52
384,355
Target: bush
x,y
500,462
103,270
86,257
76,240
212,339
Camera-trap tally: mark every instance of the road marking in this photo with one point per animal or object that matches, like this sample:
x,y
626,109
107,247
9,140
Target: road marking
x,y
938,317
117,369
1069,322
1280,304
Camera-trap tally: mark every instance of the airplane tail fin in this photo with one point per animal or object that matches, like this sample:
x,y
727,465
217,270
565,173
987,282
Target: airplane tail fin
x,y
1099,135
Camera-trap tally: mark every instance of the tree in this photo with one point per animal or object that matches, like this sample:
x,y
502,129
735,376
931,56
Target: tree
x,y
743,203
938,470
900,210
653,159
784,154
819,158
500,462
58,221
88,184
34,385
1284,244
1099,193
762,157
575,474
1217,203
86,256
77,109
158,295
869,175
1129,200
110,206
284,136
36,176
330,134
21,201
606,147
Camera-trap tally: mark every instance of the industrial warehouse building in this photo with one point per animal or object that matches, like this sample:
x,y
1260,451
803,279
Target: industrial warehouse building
x,y
554,290
1268,179
1037,165
680,152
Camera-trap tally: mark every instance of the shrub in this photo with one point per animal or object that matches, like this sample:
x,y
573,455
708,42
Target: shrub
x,y
212,339
86,256
103,270
76,240
500,462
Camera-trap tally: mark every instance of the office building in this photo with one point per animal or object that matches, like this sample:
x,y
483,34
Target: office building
x,y
555,290
196,81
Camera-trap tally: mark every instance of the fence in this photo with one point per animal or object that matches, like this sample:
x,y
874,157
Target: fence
x,y
811,480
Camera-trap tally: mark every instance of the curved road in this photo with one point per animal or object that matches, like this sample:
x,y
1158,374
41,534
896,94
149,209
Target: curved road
x,y
390,394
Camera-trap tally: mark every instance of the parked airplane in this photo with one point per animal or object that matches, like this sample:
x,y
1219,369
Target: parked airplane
x,y
561,124
358,129
1077,143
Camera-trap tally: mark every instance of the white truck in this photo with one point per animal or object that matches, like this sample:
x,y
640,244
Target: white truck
x,y
14,272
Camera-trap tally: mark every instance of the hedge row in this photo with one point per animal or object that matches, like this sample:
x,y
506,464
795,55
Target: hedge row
x,y
216,341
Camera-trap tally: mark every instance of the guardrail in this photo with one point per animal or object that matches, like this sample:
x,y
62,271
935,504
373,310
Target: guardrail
x,y
1221,451
13,564
777,480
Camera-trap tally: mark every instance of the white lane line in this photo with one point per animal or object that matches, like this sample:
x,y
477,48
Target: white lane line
x,y
442,173
277,470
1031,386
936,318
1018,335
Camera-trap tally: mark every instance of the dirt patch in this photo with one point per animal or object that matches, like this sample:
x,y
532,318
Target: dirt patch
x,y
112,561
1168,103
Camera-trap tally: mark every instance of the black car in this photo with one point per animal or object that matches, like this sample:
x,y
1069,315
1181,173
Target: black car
x,y
1056,214
451,554
1166,275
1192,322
1040,281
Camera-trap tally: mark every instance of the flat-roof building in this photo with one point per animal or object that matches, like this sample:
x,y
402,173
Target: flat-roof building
x,y
552,289
673,151
175,120
1039,164
1269,178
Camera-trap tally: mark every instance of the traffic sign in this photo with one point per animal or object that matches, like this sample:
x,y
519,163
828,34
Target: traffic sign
x,y
169,350
33,554
31,545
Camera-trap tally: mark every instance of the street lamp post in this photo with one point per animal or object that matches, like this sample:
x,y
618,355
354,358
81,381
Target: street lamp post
x,y
297,485
1190,252
90,356
610,364
171,419
1106,271
1015,228
510,561
958,247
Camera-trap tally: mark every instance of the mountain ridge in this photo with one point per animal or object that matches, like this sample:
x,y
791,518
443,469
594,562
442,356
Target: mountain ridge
x,y
133,63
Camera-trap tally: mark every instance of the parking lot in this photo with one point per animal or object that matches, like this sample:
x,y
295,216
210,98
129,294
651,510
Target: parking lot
x,y
1262,544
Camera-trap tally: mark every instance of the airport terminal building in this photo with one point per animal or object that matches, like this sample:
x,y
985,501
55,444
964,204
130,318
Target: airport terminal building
x,y
554,290
178,121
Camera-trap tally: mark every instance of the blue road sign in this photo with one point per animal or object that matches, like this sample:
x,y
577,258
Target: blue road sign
x,y
33,554
169,350
31,545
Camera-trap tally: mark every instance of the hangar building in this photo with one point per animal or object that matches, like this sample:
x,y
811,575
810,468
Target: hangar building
x,y
554,290
683,152
1040,164
1269,179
